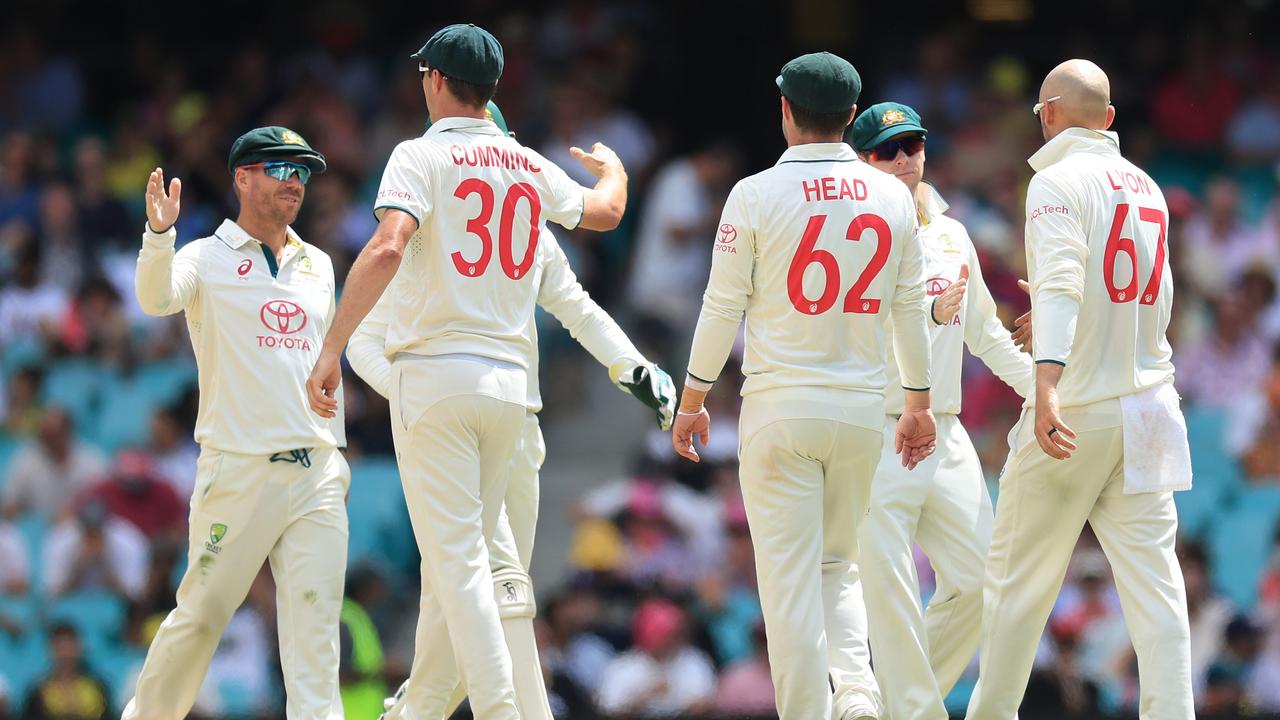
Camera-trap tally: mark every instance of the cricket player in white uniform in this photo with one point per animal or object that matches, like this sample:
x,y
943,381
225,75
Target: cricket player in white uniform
x,y
1107,444
458,335
511,549
270,481
817,251
943,504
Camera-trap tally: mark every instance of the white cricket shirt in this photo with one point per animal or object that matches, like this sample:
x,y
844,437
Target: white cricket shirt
x,y
558,293
817,251
1098,261
481,201
946,247
256,331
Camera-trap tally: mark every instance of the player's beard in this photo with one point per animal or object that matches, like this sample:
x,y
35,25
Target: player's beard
x,y
280,210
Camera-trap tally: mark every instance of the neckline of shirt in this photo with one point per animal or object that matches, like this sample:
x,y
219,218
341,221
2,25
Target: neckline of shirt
x,y
1072,140
818,152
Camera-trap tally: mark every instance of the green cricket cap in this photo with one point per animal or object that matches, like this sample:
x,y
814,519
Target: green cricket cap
x,y
270,143
465,52
881,122
821,82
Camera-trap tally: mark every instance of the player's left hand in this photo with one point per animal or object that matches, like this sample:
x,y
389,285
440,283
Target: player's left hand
x,y
1053,435
600,160
686,426
916,437
1021,334
652,386
947,305
323,384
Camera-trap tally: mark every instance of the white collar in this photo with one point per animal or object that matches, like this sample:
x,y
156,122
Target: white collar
x,y
931,205
234,236
818,152
475,125
1074,140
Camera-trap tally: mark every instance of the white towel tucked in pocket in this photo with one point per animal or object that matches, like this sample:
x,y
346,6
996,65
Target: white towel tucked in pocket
x,y
1157,457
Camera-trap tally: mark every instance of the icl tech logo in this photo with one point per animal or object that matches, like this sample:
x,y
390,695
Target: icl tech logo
x,y
284,318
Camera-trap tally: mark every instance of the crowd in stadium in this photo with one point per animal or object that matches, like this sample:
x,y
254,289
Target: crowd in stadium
x,y
659,615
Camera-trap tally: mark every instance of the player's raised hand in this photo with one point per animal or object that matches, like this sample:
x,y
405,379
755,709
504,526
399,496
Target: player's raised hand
x,y
1053,435
916,437
600,160
1021,334
686,426
947,305
162,207
322,386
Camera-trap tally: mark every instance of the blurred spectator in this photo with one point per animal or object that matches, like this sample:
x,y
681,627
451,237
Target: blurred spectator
x,y
583,113
19,197
22,409
1218,246
663,676
1227,689
1229,363
361,669
1208,612
68,692
104,221
673,244
238,683
15,576
571,648
30,310
50,469
728,598
95,552
134,492
95,324
1089,612
1062,689
62,251
655,551
1254,134
746,687
173,452
1192,108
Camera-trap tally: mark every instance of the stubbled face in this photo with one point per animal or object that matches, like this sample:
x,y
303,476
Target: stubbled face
x,y
270,198
907,168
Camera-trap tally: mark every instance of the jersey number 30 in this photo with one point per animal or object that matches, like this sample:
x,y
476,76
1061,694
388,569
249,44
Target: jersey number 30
x,y
1117,244
808,254
479,226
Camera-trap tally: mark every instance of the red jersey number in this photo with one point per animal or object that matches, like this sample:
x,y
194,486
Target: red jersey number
x,y
808,254
479,226
1117,244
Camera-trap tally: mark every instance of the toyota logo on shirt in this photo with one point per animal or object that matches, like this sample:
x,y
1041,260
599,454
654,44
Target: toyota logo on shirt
x,y
283,316
936,286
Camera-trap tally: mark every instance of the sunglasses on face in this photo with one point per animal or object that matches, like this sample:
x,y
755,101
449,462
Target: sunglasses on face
x,y
284,170
888,150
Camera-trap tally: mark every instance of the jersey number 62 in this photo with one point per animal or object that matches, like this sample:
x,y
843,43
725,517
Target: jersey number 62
x,y
808,254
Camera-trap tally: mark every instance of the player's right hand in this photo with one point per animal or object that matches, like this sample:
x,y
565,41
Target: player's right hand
x,y
1021,334
916,437
1052,434
947,305
162,207
601,159
686,426
322,386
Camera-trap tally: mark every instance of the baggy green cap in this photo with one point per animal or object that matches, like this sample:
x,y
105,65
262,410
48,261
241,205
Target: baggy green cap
x,y
821,82
881,122
465,52
273,142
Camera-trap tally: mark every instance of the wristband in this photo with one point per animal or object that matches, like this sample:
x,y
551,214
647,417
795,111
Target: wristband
x,y
697,412
153,231
933,317
694,383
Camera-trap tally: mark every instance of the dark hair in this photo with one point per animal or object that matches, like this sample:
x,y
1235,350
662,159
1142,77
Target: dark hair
x,y
819,123
471,93
63,628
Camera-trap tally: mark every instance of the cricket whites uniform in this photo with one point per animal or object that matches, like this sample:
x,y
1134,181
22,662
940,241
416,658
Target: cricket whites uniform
x,y
437,692
1102,291
459,343
942,504
270,481
816,251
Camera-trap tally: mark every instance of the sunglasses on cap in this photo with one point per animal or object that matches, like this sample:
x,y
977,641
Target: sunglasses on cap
x,y
888,150
283,170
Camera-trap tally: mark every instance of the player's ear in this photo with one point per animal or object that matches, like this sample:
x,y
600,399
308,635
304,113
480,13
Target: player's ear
x,y
853,113
1111,117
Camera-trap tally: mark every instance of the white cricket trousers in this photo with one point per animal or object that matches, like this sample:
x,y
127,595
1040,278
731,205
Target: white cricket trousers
x,y
943,505
806,484
510,552
457,424
1044,504
246,509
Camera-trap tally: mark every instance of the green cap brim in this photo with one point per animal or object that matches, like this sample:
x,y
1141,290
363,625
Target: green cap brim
x,y
892,132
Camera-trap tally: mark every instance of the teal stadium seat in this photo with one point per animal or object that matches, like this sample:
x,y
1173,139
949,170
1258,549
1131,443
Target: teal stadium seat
x,y
34,529
124,416
1240,546
377,516
76,384
99,617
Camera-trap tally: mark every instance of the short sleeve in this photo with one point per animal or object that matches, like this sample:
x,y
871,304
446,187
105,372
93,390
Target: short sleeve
x,y
563,202
405,185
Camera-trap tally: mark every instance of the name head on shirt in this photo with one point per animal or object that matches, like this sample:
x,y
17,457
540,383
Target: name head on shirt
x,y
829,188
511,158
